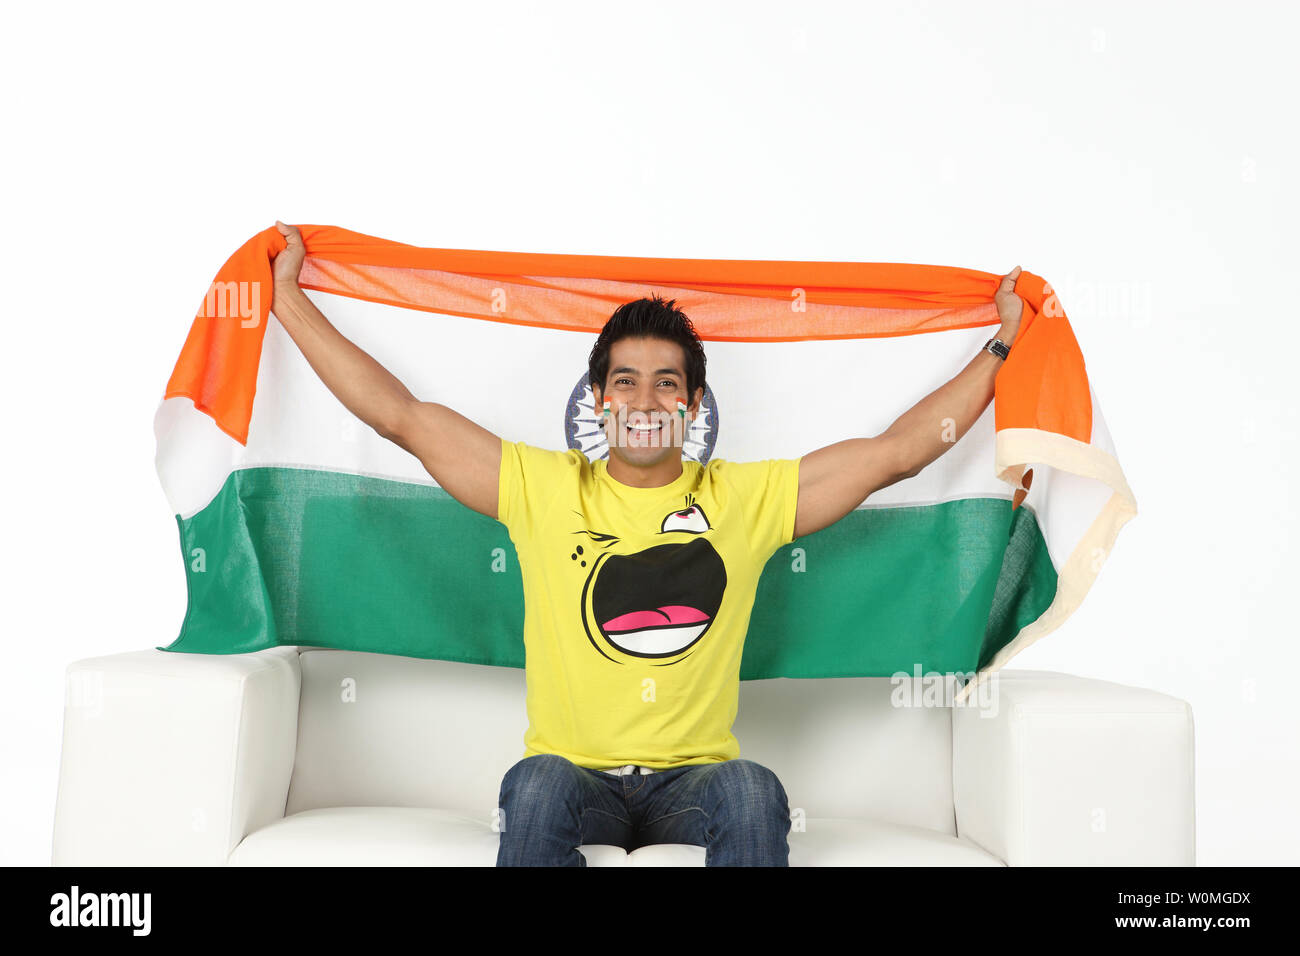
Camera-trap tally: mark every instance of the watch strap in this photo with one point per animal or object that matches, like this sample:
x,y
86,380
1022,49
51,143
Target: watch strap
x,y
998,348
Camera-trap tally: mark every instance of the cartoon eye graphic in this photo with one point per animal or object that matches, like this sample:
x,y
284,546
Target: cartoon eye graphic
x,y
690,519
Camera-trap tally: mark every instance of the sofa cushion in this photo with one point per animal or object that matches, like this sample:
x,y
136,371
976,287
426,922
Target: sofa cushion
x,y
839,842
417,836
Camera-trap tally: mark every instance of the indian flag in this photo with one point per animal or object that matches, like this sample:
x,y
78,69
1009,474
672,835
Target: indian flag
x,y
299,525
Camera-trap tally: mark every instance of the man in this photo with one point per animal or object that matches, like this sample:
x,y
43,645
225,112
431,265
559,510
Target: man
x,y
639,574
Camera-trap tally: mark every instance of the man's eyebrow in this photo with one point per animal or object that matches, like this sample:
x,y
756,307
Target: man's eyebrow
x,y
659,371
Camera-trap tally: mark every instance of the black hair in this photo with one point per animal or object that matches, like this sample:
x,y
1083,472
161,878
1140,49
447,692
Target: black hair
x,y
653,318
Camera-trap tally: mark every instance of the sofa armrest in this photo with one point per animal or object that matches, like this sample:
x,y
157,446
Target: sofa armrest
x,y
1058,770
171,759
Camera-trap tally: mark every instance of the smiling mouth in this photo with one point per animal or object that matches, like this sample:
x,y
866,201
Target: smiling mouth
x,y
641,434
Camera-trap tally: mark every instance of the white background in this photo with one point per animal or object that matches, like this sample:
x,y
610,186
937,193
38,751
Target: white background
x,y
1142,157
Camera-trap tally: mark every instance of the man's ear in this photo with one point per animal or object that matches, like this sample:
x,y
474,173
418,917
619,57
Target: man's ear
x,y
598,399
695,405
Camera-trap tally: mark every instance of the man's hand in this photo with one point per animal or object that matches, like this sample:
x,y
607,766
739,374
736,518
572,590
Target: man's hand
x,y
1010,306
288,263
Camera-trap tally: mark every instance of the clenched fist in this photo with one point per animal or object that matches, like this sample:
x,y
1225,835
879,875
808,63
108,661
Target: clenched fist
x,y
288,263
1009,306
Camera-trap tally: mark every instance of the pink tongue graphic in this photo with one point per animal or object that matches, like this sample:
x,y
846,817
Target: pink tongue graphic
x,y
666,616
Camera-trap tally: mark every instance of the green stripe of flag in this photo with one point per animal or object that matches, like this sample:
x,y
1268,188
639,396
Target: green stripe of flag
x,y
312,557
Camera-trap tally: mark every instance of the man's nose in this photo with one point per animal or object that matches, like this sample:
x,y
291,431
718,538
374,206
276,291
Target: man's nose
x,y
648,410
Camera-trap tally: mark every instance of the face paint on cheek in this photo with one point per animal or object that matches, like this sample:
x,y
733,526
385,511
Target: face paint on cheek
x,y
607,419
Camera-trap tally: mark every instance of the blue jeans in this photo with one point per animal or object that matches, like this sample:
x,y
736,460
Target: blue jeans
x,y
737,810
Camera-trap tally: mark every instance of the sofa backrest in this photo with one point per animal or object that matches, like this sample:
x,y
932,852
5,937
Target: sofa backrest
x,y
383,730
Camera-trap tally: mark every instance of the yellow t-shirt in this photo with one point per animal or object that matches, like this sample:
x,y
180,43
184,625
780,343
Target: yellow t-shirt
x,y
637,601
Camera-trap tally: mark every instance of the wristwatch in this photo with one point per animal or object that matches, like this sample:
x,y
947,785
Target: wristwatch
x,y
998,348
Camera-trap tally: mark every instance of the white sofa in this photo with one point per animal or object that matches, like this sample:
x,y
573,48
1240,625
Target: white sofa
x,y
307,756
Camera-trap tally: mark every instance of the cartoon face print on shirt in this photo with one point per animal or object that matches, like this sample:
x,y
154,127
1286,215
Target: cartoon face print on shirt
x,y
655,602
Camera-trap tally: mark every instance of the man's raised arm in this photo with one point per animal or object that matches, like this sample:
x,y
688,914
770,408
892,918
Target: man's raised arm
x,y
836,479
462,456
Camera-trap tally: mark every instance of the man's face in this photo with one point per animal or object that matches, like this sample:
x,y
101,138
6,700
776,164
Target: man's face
x,y
647,377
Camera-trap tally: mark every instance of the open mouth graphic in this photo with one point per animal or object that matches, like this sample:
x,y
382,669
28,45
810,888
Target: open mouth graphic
x,y
660,601
664,630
